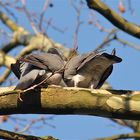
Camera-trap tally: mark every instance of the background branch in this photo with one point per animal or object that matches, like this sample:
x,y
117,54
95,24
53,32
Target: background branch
x,y
6,60
9,23
114,18
121,136
4,134
110,37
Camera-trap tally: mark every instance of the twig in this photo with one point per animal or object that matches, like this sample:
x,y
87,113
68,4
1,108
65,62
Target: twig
x,y
124,42
29,17
107,39
49,22
127,123
93,20
5,33
78,23
45,7
130,7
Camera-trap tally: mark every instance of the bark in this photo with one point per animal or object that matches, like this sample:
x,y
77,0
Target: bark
x,y
118,104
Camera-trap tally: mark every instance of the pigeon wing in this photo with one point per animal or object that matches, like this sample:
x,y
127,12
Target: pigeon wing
x,y
72,65
35,60
87,58
105,75
16,69
45,61
27,79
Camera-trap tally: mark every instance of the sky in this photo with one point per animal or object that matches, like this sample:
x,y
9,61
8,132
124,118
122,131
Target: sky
x,y
125,74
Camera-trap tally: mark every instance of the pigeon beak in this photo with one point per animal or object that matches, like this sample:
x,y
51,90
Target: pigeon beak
x,y
117,59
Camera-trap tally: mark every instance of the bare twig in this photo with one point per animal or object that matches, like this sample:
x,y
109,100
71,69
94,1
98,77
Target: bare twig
x,y
134,125
45,7
93,20
130,7
25,124
124,42
5,33
29,17
78,23
50,23
30,123
107,39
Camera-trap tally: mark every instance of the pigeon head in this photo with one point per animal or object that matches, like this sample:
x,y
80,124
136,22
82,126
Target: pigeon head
x,y
112,56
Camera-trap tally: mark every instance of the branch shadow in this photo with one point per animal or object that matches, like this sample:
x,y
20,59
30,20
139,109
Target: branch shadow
x,y
31,101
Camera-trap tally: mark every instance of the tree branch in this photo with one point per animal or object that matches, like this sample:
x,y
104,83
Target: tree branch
x,y
9,23
121,136
124,42
4,76
4,134
107,39
19,37
6,60
119,104
114,18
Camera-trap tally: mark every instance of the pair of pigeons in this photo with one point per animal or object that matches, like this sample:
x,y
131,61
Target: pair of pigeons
x,y
87,70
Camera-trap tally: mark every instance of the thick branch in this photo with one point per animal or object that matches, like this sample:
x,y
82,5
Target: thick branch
x,y
114,18
119,104
34,42
5,74
6,60
9,23
4,134
19,37
121,136
22,37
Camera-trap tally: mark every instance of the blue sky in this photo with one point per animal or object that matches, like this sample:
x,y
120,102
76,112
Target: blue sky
x,y
125,75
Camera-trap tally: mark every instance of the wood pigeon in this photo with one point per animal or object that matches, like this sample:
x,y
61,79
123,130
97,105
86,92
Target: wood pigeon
x,y
89,70
34,68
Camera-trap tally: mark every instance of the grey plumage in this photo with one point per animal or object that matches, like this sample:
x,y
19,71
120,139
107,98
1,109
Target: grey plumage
x,y
89,70
34,68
